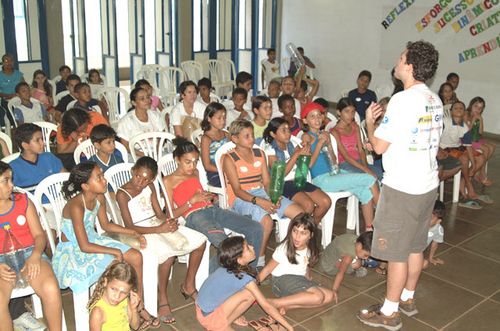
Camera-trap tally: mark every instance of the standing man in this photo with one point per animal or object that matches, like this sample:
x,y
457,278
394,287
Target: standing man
x,y
408,139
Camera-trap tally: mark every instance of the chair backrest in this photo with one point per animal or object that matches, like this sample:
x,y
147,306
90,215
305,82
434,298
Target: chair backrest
x,y
51,188
14,102
71,104
47,129
170,79
193,70
53,86
5,137
11,157
218,163
59,96
118,175
153,144
57,78
150,73
87,148
196,136
213,71
221,71
113,97
285,65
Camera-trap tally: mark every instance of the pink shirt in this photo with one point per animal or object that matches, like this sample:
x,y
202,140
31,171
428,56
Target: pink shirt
x,y
155,101
350,142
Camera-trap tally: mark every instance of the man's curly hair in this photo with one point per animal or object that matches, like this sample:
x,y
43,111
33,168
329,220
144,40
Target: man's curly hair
x,y
424,58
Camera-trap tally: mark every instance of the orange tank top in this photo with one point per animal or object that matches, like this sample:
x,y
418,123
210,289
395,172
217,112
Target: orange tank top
x,y
185,191
249,174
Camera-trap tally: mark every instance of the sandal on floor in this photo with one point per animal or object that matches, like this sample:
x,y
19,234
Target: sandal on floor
x,y
269,322
241,321
381,270
186,295
167,318
258,326
484,198
471,204
148,323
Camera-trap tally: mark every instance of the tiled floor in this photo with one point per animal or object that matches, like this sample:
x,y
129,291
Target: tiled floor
x,y
462,294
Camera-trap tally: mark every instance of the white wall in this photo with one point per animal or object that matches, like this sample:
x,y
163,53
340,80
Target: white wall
x,y
344,37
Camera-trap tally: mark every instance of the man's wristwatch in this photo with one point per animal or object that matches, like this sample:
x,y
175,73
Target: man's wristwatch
x,y
254,200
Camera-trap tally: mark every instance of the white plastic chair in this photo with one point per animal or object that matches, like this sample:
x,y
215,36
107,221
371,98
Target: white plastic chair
x,y
113,97
150,72
53,86
85,78
11,157
170,79
87,148
153,144
59,96
5,137
47,129
22,292
73,103
456,188
222,73
196,136
193,70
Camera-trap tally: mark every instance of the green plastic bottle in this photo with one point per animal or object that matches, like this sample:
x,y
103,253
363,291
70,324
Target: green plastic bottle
x,y
301,171
475,131
277,181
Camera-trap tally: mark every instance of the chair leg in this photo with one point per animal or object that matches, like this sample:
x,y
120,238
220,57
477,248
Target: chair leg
x,y
37,306
456,186
441,189
203,270
353,213
80,301
327,224
150,283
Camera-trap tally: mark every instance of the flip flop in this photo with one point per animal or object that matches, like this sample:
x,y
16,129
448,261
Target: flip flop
x,y
241,321
484,198
471,204
269,322
167,318
258,326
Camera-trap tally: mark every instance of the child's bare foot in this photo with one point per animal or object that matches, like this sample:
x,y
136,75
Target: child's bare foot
x,y
241,321
426,264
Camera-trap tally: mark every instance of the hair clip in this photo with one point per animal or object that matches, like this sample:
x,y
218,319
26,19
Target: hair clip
x,y
71,187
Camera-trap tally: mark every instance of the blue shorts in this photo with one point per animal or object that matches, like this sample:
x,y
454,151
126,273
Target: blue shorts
x,y
27,253
286,285
255,212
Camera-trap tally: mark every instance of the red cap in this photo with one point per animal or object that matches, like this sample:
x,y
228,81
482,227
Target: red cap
x,y
309,108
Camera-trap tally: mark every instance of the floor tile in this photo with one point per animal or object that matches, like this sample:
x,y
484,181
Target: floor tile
x,y
468,270
486,244
496,297
484,317
488,216
433,296
457,230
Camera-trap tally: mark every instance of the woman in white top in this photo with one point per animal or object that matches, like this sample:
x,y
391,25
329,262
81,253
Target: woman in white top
x,y
141,211
140,118
187,114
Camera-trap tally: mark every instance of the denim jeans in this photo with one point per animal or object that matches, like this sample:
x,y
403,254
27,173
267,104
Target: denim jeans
x,y
212,221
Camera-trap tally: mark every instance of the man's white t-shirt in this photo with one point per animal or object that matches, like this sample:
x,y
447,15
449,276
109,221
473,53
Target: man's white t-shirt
x,y
178,113
130,126
271,70
412,125
285,267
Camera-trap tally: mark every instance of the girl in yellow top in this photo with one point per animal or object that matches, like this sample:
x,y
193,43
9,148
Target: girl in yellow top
x,y
114,303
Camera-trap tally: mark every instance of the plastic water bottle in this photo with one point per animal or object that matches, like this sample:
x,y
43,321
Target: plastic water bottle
x,y
295,56
14,256
475,131
332,161
277,181
301,171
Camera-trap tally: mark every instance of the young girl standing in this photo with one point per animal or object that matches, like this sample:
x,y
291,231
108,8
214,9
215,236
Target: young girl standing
x,y
290,268
214,121
19,215
218,306
279,147
196,206
82,255
114,303
352,157
358,184
141,212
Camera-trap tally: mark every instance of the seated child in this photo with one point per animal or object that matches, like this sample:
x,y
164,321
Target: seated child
x,y
235,108
247,178
205,95
82,255
70,84
114,304
218,306
323,164
436,233
34,164
64,72
262,109
270,68
288,86
188,199
291,265
96,83
352,157
30,110
273,92
487,148
302,93
214,136
156,103
141,212
244,80
42,90
286,104
103,137
456,141
84,100
279,147
343,255
19,216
